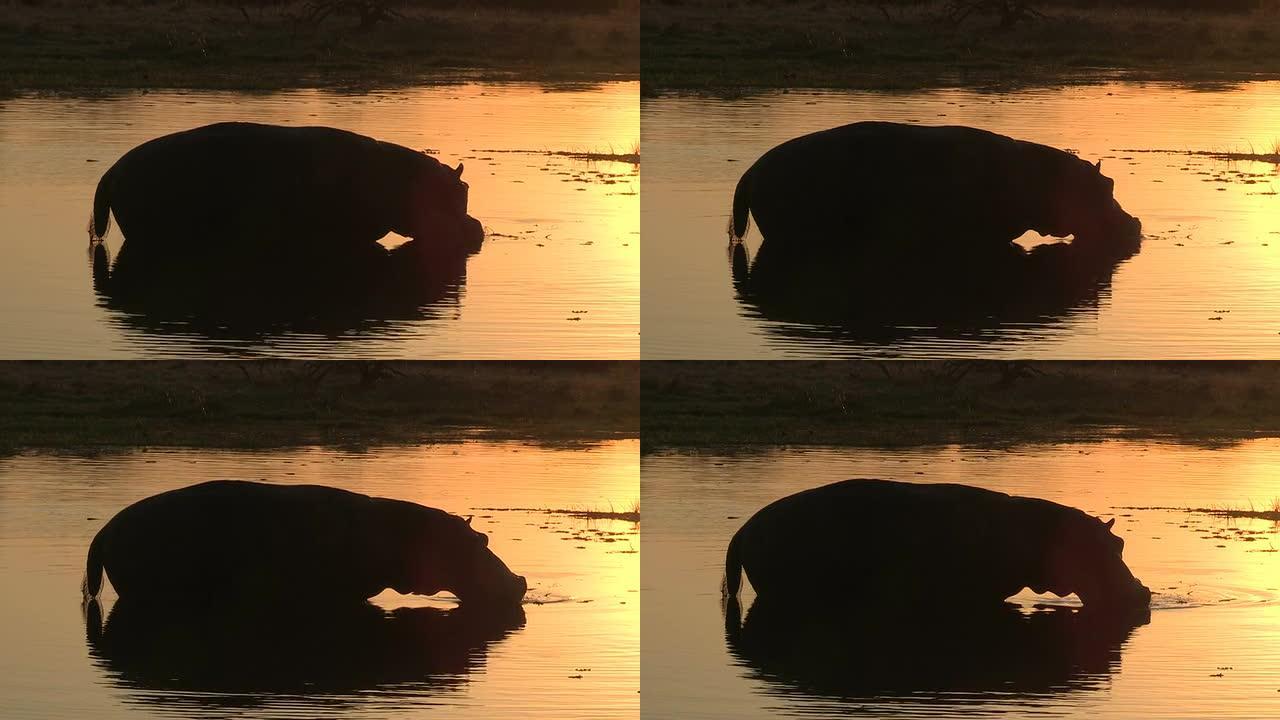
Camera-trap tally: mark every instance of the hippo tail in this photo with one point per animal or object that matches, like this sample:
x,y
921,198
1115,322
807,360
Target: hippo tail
x,y
732,570
741,206
92,583
100,223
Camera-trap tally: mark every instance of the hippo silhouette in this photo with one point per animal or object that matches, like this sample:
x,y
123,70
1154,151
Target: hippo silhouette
x,y
879,192
243,190
892,544
172,655
874,226
845,653
231,542
248,230
285,221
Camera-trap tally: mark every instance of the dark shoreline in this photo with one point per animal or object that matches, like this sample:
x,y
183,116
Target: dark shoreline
x,y
88,407
61,47
727,408
707,47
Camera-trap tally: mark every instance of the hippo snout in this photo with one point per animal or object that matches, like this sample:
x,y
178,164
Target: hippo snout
x,y
511,593
1143,594
1130,226
472,234
499,590
1115,235
1137,596
1117,223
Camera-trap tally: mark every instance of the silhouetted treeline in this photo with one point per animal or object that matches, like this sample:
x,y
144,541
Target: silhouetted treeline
x,y
1179,5
1176,5
404,5
1215,6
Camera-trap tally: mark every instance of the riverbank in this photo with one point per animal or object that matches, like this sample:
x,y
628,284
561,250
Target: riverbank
x,y
64,46
897,404
730,48
81,406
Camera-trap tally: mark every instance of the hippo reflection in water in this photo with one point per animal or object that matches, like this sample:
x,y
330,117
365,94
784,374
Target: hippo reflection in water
x,y
883,543
373,294
243,205
1013,654
878,212
230,542
175,654
1050,285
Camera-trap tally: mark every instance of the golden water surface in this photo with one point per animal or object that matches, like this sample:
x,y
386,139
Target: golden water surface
x,y
1206,283
1210,649
558,276
575,656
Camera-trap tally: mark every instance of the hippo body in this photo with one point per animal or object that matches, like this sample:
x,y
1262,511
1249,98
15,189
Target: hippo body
x,y
230,542
873,190
244,190
880,542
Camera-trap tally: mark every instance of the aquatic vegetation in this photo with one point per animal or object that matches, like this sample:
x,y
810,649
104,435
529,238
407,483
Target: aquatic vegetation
x,y
1272,514
630,514
608,154
1229,155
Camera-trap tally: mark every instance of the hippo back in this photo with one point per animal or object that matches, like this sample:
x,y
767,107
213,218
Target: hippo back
x,y
862,540
877,191
245,540
881,541
899,183
261,188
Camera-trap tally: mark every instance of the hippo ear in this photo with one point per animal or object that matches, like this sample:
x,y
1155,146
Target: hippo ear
x,y
458,171
1109,524
1096,166
468,520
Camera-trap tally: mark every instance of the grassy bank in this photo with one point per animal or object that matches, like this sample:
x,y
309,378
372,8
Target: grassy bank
x,y
81,406
717,405
732,46
61,45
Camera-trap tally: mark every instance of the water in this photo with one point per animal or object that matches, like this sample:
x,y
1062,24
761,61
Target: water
x,y
557,278
1205,284
1208,650
576,654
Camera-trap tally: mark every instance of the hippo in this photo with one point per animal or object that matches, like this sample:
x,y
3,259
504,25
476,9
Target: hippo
x,y
237,542
886,543
246,190
875,191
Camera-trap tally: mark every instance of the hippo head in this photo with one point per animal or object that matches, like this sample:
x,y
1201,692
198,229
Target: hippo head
x,y
447,554
433,206
1082,203
1084,557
